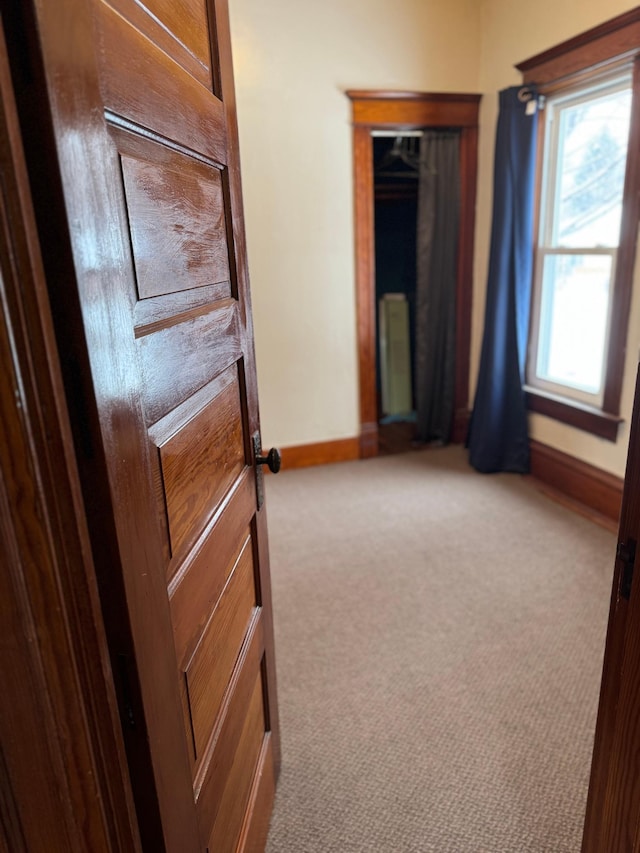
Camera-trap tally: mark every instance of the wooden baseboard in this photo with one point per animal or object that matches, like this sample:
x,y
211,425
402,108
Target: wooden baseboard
x,y
564,477
368,440
321,453
583,485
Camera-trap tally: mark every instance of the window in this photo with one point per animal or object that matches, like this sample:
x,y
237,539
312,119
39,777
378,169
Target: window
x,y
589,212
584,162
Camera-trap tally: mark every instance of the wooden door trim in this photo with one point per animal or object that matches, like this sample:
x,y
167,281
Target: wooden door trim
x,y
612,801
63,764
390,110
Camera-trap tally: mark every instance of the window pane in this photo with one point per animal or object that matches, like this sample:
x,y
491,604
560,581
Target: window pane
x,y
573,320
592,153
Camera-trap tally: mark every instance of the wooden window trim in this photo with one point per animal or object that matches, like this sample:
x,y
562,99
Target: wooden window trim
x,y
574,413
588,55
616,39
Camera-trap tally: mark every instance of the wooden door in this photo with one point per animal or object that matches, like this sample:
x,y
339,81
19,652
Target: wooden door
x,y
141,223
612,820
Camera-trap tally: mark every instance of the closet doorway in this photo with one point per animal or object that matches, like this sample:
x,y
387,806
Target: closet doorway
x,y
403,114
396,170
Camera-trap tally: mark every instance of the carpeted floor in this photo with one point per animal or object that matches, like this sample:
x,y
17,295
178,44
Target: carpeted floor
x,y
439,641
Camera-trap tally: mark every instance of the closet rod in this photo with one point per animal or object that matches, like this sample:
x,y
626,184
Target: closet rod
x,y
393,133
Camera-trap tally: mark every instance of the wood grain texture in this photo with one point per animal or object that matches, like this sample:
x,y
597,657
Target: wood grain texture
x,y
187,21
200,462
60,60
177,110
12,837
138,377
583,417
178,27
31,817
621,808
411,95
253,838
320,453
618,36
414,109
235,799
604,803
212,779
176,217
363,194
63,771
402,110
159,312
209,671
591,486
197,586
94,318
209,342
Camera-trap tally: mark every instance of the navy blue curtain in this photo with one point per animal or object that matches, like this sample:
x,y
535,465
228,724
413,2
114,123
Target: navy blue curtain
x,y
498,435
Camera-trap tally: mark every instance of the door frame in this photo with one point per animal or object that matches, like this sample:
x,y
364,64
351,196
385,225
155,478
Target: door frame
x,y
613,801
392,110
58,712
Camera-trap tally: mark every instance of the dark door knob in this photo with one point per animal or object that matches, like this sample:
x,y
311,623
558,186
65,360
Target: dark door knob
x,y
273,460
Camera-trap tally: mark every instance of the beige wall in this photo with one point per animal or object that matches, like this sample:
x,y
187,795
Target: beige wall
x,y
513,31
293,61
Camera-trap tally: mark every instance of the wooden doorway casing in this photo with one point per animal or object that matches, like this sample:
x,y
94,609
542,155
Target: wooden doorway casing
x,y
387,110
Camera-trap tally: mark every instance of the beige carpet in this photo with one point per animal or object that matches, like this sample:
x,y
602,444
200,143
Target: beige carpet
x,y
439,641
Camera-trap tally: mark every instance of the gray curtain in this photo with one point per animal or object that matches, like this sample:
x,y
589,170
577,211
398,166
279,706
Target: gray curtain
x,y
437,256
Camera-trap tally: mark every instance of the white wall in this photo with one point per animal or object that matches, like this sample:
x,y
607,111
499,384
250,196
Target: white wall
x,y
293,60
511,32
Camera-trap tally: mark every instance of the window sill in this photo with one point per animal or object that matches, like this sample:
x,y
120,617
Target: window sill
x,y
578,415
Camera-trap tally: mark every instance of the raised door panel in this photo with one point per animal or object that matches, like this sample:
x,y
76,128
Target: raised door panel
x,y
196,589
201,452
209,341
208,672
177,27
235,797
213,777
176,214
143,85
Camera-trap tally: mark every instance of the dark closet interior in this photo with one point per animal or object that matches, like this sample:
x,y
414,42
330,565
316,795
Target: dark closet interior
x,y
395,161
